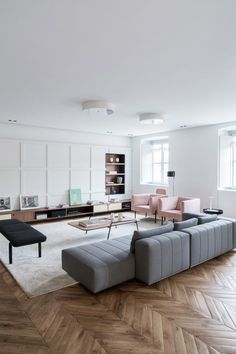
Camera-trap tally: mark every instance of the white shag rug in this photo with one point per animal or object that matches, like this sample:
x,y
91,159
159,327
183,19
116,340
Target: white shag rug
x,y
38,276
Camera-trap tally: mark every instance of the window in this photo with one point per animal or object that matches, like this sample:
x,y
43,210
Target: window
x,y
227,158
154,161
233,164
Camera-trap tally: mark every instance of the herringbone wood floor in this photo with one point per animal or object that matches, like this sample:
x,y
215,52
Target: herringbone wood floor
x,y
192,312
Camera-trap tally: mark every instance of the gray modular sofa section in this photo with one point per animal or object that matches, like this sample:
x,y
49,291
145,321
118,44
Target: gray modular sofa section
x,y
100,265
210,240
161,256
150,256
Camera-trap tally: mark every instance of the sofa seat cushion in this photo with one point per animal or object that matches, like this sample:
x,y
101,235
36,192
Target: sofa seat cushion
x,y
138,235
100,265
142,208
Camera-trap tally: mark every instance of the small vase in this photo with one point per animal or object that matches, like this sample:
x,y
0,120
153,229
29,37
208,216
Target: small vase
x,y
117,159
119,180
111,159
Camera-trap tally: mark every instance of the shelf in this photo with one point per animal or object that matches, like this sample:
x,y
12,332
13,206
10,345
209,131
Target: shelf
x,y
115,174
115,163
114,184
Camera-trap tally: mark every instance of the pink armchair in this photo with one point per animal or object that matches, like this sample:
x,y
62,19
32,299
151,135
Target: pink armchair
x,y
174,207
145,203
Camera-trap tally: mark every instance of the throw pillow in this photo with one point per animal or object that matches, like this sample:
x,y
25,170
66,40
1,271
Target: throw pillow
x,y
186,216
207,218
178,226
138,235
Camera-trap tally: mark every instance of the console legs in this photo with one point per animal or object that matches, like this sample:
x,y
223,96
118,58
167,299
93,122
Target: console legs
x,y
155,217
162,220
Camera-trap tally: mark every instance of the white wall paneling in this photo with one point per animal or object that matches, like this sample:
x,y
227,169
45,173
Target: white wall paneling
x,y
80,179
9,182
33,182
33,155
50,169
80,157
10,154
58,156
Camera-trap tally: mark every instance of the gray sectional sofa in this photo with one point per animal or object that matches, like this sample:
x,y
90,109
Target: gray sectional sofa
x,y
150,255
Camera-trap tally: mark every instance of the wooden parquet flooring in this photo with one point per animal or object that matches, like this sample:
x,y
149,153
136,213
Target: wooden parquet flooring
x,y
189,313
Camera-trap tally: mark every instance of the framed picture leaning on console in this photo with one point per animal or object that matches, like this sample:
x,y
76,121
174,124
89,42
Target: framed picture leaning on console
x,y
29,202
5,203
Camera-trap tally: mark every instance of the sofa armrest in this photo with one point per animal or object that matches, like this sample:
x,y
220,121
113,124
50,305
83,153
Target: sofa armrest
x,y
153,202
167,203
190,206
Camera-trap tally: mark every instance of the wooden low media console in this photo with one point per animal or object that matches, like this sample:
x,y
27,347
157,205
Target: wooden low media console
x,y
50,214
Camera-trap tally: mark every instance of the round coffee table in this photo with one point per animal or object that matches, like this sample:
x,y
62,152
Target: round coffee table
x,y
213,211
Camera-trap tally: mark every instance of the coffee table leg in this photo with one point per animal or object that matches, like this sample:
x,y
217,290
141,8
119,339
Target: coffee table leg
x,y
136,224
86,232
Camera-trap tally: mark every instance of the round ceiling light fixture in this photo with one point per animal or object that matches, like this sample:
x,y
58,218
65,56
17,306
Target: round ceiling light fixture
x,y
98,107
151,118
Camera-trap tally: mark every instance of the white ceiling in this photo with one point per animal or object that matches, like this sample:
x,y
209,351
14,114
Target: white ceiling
x,y
176,57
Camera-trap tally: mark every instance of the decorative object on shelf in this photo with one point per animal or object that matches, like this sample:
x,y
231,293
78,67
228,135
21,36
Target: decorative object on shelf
x,y
172,175
119,180
97,107
29,202
117,159
5,203
111,159
75,196
151,118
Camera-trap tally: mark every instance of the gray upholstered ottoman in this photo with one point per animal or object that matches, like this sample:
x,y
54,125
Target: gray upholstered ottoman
x,y
100,265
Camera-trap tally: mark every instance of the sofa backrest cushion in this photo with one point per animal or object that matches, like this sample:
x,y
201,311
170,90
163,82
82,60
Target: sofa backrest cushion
x,y
186,216
207,218
178,226
138,235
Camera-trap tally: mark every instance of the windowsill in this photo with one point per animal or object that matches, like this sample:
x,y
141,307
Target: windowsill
x,y
153,184
222,189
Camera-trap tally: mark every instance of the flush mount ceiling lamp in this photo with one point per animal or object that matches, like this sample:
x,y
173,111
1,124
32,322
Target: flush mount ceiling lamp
x,y
98,107
151,118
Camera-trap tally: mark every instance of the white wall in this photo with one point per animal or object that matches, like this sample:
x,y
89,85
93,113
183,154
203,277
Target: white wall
x,y
46,162
194,157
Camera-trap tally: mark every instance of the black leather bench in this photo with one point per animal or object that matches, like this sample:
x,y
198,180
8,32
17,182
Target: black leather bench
x,y
20,234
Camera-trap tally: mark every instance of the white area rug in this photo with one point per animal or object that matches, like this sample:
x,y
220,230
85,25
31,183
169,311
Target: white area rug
x,y
38,276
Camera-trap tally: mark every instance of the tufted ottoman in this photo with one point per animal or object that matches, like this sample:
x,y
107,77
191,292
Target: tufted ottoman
x,y
100,265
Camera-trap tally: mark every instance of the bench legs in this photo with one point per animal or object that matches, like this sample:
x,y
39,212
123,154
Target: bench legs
x,y
40,249
10,251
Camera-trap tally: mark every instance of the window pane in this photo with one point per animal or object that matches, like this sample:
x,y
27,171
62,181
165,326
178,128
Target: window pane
x,y
157,173
166,152
157,154
234,175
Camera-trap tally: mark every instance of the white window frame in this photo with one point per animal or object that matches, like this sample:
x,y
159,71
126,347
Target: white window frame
x,y
152,142
162,163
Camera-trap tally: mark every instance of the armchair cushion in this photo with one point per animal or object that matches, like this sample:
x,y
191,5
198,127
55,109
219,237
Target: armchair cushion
x,y
178,226
149,233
